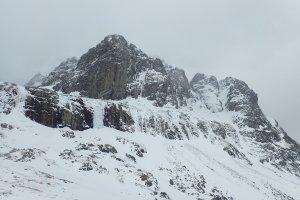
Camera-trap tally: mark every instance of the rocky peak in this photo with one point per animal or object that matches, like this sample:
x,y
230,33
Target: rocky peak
x,y
240,98
103,69
228,94
113,49
243,101
207,88
67,65
116,69
115,40
239,95
206,79
36,80
61,76
231,94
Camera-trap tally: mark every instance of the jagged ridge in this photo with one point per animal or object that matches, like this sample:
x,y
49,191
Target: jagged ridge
x,y
117,70
117,85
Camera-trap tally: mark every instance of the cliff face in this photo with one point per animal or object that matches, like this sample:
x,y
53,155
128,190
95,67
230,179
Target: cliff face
x,y
218,123
116,69
46,107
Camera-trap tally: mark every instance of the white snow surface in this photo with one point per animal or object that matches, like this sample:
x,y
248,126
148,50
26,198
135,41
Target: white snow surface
x,y
37,162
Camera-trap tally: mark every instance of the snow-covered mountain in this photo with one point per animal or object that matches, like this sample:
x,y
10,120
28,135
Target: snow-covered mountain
x,y
118,124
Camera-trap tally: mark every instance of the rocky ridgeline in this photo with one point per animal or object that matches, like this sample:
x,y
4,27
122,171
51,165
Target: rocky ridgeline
x,y
116,71
117,85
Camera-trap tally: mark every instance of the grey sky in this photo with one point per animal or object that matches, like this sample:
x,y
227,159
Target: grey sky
x,y
256,40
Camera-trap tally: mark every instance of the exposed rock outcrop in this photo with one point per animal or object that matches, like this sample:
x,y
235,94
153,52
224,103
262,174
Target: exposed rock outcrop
x,y
8,94
254,125
243,100
76,115
240,98
116,116
104,69
42,106
116,69
61,78
207,87
36,80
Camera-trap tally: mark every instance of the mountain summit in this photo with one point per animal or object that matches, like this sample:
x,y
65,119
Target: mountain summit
x,y
116,69
118,124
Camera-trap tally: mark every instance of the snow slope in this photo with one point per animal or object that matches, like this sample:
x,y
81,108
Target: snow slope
x,y
38,162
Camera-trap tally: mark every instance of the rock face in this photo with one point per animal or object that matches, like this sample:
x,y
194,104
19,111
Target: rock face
x,y
116,69
76,115
61,77
116,117
8,95
42,106
234,95
241,99
105,69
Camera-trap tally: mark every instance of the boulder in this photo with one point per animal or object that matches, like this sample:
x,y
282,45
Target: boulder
x,y
107,148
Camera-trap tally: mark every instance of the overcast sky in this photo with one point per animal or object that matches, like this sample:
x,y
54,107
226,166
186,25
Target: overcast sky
x,y
257,41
